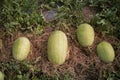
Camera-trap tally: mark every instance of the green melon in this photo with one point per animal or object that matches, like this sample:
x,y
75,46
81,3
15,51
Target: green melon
x,y
85,35
1,76
21,48
105,52
57,47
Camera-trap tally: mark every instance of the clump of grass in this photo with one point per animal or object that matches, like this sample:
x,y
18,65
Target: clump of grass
x,y
19,15
107,16
71,12
26,70
111,75
28,16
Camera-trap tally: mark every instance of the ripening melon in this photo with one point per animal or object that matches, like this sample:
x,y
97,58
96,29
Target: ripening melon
x,y
105,52
21,48
1,76
85,35
57,47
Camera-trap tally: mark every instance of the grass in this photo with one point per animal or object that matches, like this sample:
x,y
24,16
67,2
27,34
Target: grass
x,y
21,16
27,71
107,16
